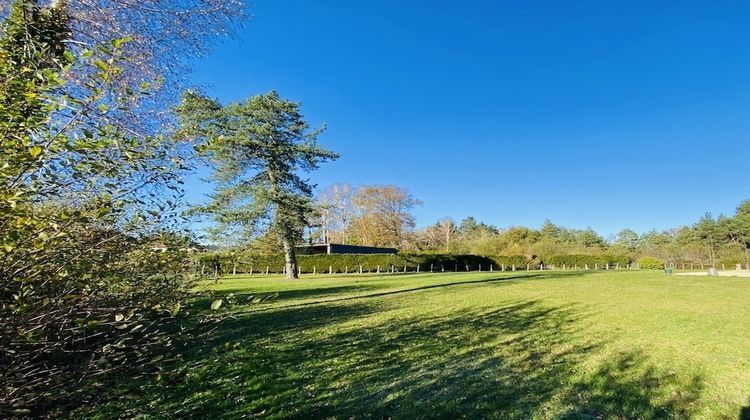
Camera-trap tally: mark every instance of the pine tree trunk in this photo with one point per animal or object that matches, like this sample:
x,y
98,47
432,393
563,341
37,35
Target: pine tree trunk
x,y
290,260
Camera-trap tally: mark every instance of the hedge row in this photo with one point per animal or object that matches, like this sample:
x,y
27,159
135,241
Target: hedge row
x,y
592,261
224,263
227,262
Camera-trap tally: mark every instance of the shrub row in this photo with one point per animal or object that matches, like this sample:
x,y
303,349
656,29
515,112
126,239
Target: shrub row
x,y
224,263
581,260
228,262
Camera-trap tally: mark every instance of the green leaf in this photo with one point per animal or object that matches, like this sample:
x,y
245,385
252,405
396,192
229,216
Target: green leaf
x,y
216,304
36,151
101,65
69,56
117,43
175,309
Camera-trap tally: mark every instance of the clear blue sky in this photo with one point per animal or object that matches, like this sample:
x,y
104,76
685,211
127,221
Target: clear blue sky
x,y
603,114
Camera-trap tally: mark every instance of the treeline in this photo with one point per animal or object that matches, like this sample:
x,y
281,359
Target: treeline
x,y
381,215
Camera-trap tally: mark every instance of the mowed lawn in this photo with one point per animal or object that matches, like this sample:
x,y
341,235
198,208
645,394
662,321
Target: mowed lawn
x,y
494,345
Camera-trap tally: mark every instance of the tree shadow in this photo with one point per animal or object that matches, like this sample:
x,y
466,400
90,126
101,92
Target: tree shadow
x,y
241,296
628,386
745,412
343,359
506,280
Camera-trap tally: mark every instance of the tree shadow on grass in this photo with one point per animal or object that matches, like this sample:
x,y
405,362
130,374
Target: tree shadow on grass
x,y
629,386
344,359
243,297
505,280
745,412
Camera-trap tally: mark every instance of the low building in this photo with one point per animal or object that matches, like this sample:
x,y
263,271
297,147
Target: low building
x,y
343,249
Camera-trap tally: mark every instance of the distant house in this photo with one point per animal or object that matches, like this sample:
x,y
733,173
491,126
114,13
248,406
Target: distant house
x,y
342,249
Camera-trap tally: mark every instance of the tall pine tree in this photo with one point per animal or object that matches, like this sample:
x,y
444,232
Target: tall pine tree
x,y
256,149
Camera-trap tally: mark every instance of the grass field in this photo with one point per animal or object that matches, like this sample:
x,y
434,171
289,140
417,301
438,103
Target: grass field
x,y
495,345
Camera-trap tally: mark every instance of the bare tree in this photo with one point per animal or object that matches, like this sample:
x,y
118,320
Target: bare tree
x,y
335,210
164,33
323,220
448,228
342,202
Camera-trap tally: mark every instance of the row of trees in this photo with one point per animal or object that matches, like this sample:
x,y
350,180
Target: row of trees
x,y
381,215
722,240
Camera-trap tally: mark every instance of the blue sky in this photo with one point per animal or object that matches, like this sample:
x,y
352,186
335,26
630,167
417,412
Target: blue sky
x,y
603,114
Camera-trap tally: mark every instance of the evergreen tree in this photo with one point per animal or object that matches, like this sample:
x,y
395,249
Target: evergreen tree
x,y
256,149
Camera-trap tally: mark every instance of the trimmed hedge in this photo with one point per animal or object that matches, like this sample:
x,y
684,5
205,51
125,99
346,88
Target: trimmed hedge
x,y
226,262
581,261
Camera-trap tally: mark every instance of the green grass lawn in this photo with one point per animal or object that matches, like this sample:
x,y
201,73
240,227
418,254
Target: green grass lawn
x,y
497,345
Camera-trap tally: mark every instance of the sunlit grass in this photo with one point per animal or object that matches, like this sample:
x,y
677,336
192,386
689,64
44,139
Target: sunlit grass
x,y
502,345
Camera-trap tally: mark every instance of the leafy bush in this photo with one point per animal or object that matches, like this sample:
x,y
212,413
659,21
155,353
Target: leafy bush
x,y
81,291
650,263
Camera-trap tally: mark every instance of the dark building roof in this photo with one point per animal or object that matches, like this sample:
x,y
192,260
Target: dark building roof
x,y
343,249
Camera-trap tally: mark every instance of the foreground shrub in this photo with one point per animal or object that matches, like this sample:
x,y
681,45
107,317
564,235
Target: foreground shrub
x,y
82,294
